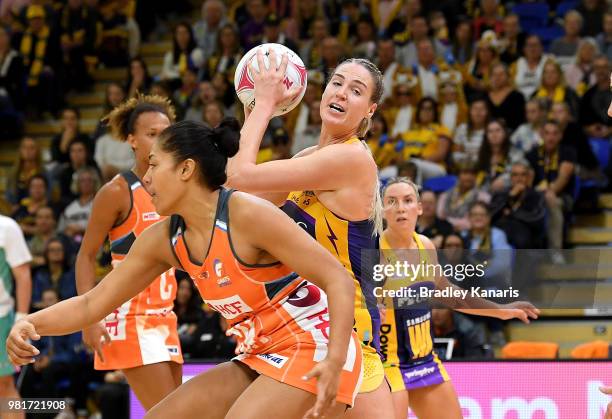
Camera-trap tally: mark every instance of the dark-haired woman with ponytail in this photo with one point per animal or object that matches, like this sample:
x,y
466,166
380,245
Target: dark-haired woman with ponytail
x,y
141,332
296,352
331,190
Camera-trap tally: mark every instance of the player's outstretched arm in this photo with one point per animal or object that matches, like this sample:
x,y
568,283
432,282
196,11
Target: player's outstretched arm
x,y
147,259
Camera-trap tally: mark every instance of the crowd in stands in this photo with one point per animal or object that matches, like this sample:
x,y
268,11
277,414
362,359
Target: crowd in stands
x,y
491,116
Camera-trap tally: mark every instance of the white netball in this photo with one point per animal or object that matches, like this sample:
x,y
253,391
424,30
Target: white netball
x,y
296,75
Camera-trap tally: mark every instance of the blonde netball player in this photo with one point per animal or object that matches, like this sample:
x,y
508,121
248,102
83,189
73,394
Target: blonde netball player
x,y
246,258
141,333
416,375
331,191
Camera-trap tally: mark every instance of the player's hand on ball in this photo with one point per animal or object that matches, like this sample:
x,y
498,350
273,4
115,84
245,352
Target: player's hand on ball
x,y
21,352
522,310
270,89
327,374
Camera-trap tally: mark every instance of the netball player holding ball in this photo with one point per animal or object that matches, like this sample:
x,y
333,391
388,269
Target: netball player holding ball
x,y
331,190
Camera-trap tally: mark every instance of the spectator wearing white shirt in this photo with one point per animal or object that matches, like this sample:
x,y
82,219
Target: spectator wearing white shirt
x,y
75,217
527,70
206,30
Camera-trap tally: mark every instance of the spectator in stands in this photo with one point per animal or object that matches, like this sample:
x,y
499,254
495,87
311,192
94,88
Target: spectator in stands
x,y
468,136
553,87
273,33
15,259
70,131
591,12
298,118
527,136
113,50
39,47
206,30
593,105
495,157
299,26
57,274
61,358
574,136
25,214
78,34
388,66
225,92
439,27
75,218
188,310
113,156
489,19
408,55
519,210
213,114
400,109
453,205
579,74
139,80
428,223
512,40
565,47
186,93
554,165
280,149
469,337
346,25
45,230
206,94
463,44
477,72
185,53
331,55
453,107
604,39
227,55
29,163
312,131
365,42
113,97
428,143
489,246
527,70
80,157
12,74
429,71
310,50
504,100
252,31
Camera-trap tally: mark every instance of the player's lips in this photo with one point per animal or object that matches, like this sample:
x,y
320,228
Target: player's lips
x,y
336,108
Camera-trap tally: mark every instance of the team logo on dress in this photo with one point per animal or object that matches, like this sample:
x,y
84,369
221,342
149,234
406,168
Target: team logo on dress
x,y
150,216
224,282
203,275
172,349
218,265
275,360
305,296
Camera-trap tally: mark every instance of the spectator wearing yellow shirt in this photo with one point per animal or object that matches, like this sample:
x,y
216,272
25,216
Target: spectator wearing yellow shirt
x,y
281,147
427,143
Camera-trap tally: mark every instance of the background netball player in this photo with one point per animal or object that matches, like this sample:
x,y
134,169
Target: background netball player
x,y
331,190
417,376
285,329
145,343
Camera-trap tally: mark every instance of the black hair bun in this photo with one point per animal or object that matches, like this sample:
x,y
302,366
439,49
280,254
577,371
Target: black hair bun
x,y
227,136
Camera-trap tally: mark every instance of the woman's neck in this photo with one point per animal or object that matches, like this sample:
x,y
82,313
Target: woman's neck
x,y
478,231
400,239
55,268
533,61
28,165
425,221
200,208
84,199
326,138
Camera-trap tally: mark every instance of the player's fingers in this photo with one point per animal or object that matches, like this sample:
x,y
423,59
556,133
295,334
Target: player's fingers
x,y
18,360
20,353
106,336
294,92
523,316
260,61
98,348
311,374
19,342
606,390
283,65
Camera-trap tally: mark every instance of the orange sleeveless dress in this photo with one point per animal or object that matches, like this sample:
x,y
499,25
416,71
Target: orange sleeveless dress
x,y
143,329
280,321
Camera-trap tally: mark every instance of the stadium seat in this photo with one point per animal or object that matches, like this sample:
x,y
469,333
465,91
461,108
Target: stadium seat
x,y
601,149
547,34
532,15
566,6
530,350
598,349
440,183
